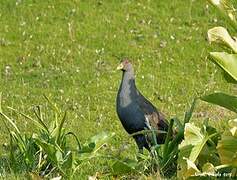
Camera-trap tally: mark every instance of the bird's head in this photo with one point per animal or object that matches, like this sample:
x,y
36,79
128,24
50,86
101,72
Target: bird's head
x,y
125,65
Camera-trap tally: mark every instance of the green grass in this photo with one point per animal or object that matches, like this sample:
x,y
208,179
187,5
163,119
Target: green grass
x,y
69,51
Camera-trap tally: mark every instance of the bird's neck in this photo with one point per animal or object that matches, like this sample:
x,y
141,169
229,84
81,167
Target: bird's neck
x,y
128,83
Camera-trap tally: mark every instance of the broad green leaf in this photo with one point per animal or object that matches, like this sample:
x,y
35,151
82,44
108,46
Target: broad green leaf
x,y
193,137
59,155
208,168
221,99
191,168
208,171
227,149
228,62
195,140
221,35
97,141
89,149
227,146
53,153
208,154
228,78
124,166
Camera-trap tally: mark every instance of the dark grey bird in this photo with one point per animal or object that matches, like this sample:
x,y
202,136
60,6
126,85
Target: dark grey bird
x,y
135,112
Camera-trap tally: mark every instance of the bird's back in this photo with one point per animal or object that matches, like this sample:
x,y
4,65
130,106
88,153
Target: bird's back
x,y
156,119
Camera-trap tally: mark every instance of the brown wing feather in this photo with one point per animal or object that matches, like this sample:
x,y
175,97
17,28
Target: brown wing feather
x,y
156,118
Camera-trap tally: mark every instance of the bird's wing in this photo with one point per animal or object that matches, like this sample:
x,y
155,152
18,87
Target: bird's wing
x,y
156,119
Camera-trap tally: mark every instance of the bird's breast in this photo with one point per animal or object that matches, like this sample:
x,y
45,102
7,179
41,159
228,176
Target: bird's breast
x,y
130,116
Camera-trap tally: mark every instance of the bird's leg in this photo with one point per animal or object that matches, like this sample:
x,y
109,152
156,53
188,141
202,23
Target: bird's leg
x,y
140,143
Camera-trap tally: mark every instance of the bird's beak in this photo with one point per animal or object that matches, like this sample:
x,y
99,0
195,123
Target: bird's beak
x,y
120,66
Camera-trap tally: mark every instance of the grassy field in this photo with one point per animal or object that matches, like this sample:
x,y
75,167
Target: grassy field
x,y
69,50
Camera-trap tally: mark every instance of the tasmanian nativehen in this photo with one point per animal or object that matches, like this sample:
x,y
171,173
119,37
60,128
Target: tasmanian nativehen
x,y
135,112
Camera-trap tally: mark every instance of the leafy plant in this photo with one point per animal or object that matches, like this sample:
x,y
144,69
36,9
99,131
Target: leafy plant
x,y
46,152
228,62
228,154
220,35
207,152
200,154
197,150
